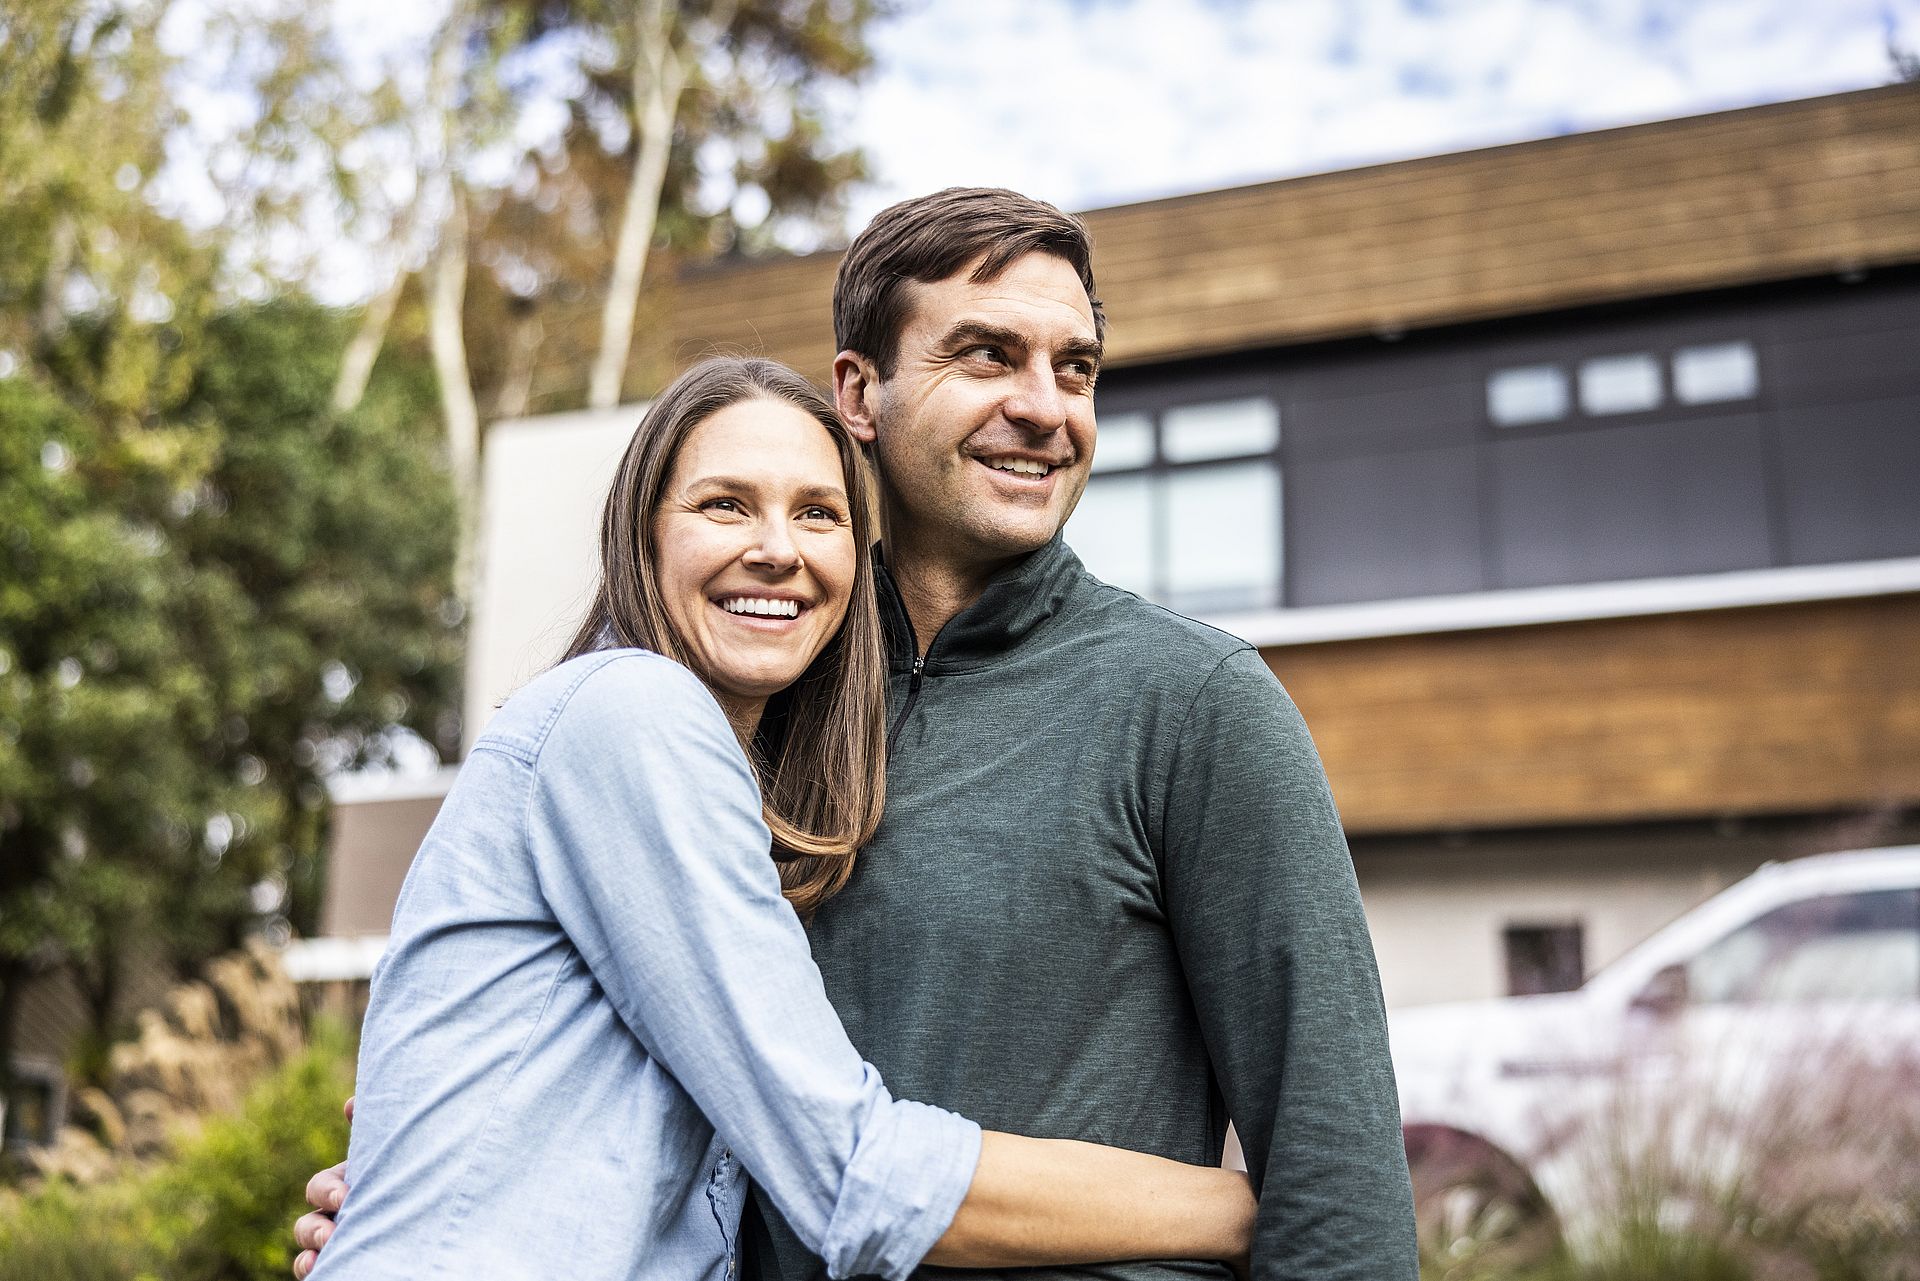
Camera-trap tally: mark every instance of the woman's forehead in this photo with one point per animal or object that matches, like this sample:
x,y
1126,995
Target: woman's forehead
x,y
772,440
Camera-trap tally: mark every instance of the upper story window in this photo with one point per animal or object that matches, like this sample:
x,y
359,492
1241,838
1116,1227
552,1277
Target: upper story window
x,y
1528,394
1619,384
1220,429
1125,442
1184,504
1712,374
1623,383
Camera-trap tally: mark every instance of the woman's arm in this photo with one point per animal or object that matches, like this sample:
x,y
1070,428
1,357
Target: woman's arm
x,y
646,835
1058,1201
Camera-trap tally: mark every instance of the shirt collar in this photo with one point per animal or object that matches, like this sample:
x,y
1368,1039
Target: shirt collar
x,y
1018,601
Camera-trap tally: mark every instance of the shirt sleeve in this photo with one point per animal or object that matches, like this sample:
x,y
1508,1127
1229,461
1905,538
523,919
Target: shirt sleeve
x,y
646,835
1266,916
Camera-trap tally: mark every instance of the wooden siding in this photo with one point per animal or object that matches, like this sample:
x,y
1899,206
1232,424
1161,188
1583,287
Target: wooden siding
x,y
1771,710
1740,197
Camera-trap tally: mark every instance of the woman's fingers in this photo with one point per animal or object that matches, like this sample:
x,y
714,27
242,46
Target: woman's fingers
x,y
303,1264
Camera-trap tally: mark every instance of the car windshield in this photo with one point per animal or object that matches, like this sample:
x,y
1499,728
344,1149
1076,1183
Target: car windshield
x,y
1863,946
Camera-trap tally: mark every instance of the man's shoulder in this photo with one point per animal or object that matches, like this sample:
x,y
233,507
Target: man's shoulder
x,y
1150,633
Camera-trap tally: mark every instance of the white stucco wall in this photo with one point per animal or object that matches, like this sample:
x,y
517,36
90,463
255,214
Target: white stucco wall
x,y
1438,915
543,483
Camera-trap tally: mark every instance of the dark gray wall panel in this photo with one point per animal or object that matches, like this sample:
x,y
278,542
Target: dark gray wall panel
x,y
1641,501
1805,367
1397,414
1383,526
1851,480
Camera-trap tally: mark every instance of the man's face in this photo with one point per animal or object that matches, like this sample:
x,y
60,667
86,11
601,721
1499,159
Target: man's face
x,y
984,431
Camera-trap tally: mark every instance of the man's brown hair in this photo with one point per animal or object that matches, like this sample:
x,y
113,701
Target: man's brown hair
x,y
931,238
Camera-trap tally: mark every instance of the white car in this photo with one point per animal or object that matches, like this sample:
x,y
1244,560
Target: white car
x,y
1780,1017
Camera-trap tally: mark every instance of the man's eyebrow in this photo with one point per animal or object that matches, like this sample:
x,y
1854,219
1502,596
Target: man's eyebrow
x,y
969,332
1090,349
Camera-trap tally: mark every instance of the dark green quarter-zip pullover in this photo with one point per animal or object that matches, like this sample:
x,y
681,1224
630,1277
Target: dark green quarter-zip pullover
x,y
1111,901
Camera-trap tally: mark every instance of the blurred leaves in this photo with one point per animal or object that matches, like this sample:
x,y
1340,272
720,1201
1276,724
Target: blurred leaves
x,y
217,1210
214,589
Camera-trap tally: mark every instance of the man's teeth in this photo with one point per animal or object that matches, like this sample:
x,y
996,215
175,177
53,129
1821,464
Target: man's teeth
x,y
762,606
1022,466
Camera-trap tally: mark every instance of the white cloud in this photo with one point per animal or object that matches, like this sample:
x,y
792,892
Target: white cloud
x,y
1106,101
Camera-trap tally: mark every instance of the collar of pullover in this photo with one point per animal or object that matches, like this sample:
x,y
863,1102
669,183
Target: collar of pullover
x,y
1018,601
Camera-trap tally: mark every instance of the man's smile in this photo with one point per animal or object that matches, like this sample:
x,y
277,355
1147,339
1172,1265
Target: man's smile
x,y
1019,469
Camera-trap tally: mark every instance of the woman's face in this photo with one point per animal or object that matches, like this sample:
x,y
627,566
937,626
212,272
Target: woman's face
x,y
756,552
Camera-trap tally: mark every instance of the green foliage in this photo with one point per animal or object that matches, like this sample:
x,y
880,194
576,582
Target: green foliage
x,y
217,1210
213,588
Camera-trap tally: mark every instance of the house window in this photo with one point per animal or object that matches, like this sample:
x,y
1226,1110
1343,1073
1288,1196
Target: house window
x,y
1544,958
1184,505
1220,429
1528,394
30,1114
1223,539
1712,374
1125,441
1115,529
1619,384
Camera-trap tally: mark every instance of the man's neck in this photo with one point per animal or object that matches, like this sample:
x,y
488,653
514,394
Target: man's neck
x,y
934,587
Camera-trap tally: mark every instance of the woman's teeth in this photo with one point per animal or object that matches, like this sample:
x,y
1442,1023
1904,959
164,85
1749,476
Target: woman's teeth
x,y
1019,466
762,606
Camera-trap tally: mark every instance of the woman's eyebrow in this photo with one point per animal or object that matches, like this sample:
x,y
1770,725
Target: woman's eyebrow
x,y
805,493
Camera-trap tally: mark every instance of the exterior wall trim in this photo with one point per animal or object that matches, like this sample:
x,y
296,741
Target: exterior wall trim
x,y
333,960
364,787
1522,607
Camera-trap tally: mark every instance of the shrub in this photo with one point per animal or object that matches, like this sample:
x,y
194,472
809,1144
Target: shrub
x,y
219,1207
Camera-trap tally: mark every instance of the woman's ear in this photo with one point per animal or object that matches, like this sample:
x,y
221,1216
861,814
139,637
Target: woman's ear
x,y
856,386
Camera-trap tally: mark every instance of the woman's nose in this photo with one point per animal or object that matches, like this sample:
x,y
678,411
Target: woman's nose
x,y
773,548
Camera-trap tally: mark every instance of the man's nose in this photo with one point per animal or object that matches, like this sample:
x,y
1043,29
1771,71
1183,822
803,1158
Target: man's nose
x,y
1036,399
773,547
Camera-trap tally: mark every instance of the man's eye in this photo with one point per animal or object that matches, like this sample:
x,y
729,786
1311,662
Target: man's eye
x,y
985,352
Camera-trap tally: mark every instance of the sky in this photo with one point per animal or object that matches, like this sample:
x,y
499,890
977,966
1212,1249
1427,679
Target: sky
x,y
1089,103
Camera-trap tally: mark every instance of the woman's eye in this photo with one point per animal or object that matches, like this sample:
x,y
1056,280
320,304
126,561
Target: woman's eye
x,y
819,515
720,504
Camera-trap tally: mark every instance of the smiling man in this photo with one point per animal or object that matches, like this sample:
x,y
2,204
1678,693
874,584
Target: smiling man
x,y
1110,898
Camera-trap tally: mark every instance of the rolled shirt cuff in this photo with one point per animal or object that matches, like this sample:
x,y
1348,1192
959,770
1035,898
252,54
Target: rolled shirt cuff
x,y
906,1181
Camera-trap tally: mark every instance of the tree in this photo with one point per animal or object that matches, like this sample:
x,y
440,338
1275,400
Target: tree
x,y
213,588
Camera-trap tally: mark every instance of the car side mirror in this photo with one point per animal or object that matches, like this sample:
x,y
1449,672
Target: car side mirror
x,y
1664,993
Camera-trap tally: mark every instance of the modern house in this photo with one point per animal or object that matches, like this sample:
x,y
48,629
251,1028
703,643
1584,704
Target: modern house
x,y
1571,487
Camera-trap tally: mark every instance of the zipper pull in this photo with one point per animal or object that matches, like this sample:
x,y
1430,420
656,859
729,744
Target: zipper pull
x,y
919,664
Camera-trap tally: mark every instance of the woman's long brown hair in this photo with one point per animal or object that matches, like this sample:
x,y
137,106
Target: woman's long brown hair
x,y
821,753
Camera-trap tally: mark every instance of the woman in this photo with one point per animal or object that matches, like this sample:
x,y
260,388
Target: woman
x,y
592,969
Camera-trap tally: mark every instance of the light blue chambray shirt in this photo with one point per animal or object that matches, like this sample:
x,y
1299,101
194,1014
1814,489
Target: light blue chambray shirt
x,y
591,972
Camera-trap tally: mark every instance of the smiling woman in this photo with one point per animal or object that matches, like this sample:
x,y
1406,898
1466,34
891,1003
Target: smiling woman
x,y
739,496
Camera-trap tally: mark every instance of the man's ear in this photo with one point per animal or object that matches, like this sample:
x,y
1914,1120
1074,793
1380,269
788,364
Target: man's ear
x,y
856,391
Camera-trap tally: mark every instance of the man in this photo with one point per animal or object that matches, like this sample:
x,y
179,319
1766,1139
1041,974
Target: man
x,y
1110,899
